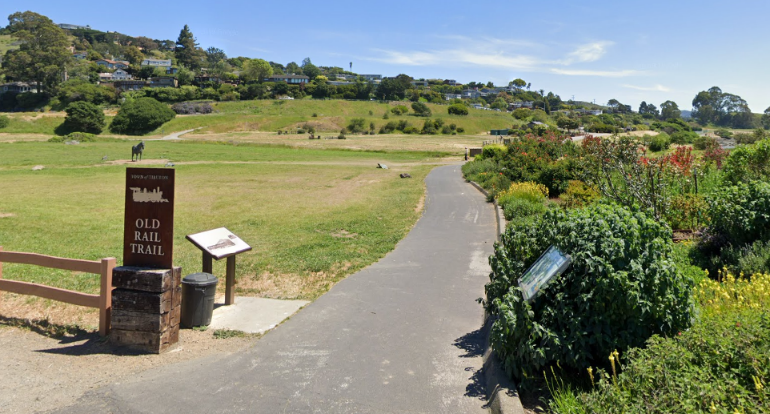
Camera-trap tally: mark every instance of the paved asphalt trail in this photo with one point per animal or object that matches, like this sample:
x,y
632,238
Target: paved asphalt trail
x,y
401,336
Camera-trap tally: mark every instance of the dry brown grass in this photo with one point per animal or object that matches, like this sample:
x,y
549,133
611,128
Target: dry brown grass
x,y
453,144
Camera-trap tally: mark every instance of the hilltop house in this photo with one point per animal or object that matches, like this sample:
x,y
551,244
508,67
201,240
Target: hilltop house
x,y
290,79
118,75
521,104
163,82
160,63
112,64
372,78
17,87
129,85
79,55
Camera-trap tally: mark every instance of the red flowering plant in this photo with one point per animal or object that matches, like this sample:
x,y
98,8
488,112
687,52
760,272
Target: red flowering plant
x,y
620,169
546,159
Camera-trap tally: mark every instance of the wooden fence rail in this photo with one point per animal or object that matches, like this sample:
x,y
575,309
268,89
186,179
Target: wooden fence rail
x,y
102,301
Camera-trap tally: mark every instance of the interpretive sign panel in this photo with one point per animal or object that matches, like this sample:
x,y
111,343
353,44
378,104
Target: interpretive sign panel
x,y
219,243
549,265
148,230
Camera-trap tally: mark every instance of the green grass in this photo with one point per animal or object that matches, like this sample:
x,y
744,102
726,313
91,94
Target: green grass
x,y
311,216
273,115
332,115
7,43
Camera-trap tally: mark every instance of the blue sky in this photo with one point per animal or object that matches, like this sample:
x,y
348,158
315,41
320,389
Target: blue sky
x,y
592,50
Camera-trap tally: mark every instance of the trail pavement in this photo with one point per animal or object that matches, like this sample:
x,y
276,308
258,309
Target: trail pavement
x,y
401,336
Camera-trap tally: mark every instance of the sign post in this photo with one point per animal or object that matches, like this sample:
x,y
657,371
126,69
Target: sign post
x,y
218,244
148,233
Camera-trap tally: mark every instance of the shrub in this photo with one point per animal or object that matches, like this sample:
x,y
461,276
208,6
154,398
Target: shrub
x,y
687,211
526,190
388,128
84,117
494,151
660,142
399,110
356,125
579,194
683,137
713,367
749,259
190,108
723,133
521,209
141,116
460,130
75,136
428,127
411,130
521,113
446,130
748,162
457,109
621,288
739,213
420,109
472,170
4,121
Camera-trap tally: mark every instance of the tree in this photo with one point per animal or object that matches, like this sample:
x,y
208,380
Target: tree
x,y
133,55
420,109
215,55
766,118
256,70
141,116
393,88
309,69
518,83
186,50
84,117
147,44
42,54
292,68
670,109
567,123
185,77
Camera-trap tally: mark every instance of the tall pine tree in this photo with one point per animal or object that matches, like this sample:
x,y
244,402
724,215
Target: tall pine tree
x,y
186,50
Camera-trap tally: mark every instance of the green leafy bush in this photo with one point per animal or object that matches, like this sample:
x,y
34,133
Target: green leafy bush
x,y
141,116
521,113
75,136
739,213
522,209
457,109
4,121
621,288
84,117
579,194
522,200
420,109
399,109
356,125
748,162
660,142
494,151
683,137
720,365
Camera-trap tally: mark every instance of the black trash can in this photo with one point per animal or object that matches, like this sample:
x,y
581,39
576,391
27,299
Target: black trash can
x,y
198,294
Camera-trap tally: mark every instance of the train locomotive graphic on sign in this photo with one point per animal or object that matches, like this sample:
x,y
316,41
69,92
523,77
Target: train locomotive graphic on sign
x,y
148,233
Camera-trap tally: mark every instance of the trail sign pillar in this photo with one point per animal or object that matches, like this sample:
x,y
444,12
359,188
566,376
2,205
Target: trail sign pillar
x,y
147,299
219,244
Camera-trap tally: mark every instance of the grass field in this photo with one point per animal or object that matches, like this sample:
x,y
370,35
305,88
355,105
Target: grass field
x,y
273,115
7,43
312,216
331,116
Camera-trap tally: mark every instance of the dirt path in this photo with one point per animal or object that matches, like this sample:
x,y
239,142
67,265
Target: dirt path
x,y
46,364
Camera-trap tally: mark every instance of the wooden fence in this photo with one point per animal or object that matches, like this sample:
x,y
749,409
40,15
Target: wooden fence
x,y
102,301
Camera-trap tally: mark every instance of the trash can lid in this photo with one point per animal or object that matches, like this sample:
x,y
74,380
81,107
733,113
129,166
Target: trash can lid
x,y
200,279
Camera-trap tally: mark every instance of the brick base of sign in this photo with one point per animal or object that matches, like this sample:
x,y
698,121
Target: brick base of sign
x,y
146,307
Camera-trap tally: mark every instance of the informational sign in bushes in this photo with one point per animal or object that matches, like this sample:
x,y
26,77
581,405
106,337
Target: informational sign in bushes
x,y
148,232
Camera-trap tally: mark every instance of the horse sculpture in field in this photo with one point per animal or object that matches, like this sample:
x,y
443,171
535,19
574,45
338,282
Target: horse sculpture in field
x,y
136,150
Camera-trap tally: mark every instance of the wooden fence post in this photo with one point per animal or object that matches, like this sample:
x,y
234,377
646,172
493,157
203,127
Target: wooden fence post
x,y
105,296
1,264
230,281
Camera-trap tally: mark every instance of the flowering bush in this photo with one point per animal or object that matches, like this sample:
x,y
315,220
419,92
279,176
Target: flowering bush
x,y
523,200
621,288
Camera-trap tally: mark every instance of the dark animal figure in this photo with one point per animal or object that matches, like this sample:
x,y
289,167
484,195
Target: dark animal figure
x,y
137,150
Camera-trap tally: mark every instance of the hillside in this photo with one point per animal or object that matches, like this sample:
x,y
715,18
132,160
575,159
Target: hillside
x,y
7,42
273,115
